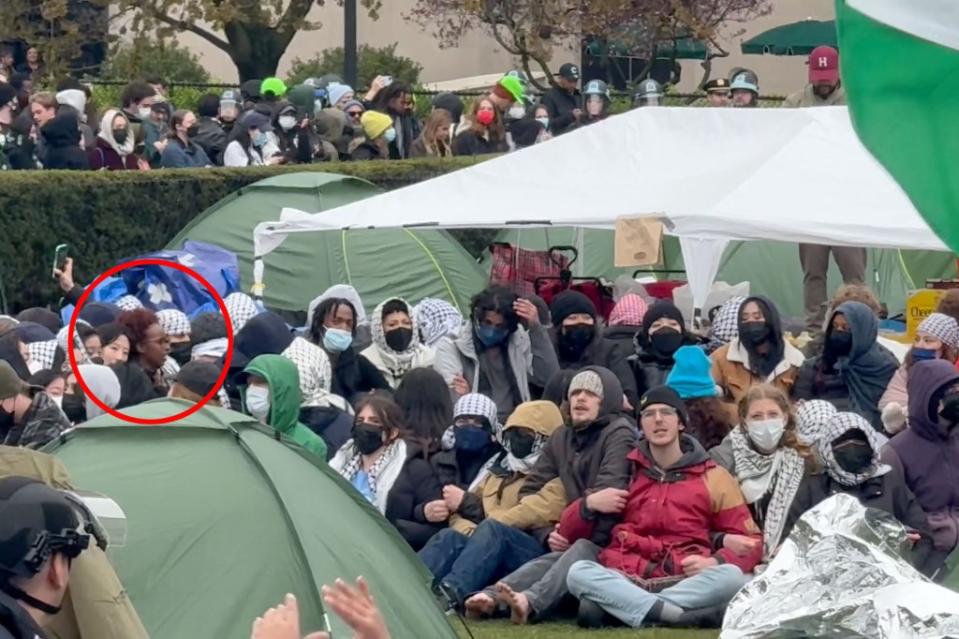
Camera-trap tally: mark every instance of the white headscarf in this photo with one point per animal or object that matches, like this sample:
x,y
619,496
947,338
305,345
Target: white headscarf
x,y
106,133
103,383
342,291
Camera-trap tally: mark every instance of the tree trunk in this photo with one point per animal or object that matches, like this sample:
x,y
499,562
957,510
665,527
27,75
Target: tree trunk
x,y
255,50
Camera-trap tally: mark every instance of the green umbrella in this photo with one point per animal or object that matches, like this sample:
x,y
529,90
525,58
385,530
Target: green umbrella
x,y
682,49
795,38
224,517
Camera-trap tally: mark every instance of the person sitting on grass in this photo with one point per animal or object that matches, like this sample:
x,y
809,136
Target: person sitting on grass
x,y
678,503
589,459
492,530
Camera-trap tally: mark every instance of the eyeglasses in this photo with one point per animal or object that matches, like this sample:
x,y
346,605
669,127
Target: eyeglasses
x,y
354,114
665,411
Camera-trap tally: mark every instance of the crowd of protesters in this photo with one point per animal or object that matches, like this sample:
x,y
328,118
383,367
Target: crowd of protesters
x,y
538,457
264,122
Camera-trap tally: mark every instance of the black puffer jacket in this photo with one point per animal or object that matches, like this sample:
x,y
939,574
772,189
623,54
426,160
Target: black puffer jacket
x,y
600,352
416,486
61,137
650,369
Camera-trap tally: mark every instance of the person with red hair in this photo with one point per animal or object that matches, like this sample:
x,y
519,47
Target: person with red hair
x,y
141,377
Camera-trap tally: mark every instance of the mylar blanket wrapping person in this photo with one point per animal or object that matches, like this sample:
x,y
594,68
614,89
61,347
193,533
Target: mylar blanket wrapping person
x,y
841,574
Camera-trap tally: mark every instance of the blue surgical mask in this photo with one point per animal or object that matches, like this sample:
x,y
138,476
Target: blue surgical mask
x,y
923,354
471,439
544,122
336,340
259,140
491,335
390,135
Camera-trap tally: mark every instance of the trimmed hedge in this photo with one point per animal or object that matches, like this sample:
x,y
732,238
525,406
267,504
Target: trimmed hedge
x,y
108,216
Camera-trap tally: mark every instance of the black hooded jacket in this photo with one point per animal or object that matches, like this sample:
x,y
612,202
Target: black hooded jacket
x,y
590,458
61,137
599,352
764,363
650,366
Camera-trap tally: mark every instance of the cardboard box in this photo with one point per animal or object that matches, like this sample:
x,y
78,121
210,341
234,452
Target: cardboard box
x,y
919,305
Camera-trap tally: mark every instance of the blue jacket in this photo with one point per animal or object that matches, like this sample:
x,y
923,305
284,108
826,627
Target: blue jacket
x,y
176,156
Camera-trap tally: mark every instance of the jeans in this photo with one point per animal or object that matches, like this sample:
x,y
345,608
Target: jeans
x,y
466,564
629,603
543,580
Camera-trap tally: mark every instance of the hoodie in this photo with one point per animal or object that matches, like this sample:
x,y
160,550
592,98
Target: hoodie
x,y
61,136
928,454
590,458
284,381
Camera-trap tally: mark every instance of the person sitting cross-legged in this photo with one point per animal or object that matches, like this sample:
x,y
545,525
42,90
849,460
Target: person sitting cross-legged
x,y
493,531
678,502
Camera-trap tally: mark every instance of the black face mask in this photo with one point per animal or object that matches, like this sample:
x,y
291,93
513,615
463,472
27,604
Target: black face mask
x,y
120,136
519,442
6,423
399,339
666,341
577,337
192,131
75,407
839,343
854,458
182,353
367,438
949,415
753,333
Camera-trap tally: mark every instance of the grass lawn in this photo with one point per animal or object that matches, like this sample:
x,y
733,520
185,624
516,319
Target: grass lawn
x,y
505,630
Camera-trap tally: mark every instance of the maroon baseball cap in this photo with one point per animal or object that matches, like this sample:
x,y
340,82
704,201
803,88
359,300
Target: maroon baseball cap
x,y
824,65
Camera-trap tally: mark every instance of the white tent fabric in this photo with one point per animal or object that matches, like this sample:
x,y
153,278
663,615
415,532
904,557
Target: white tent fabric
x,y
710,174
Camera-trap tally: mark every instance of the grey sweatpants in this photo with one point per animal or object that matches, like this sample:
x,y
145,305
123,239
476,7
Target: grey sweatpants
x,y
543,580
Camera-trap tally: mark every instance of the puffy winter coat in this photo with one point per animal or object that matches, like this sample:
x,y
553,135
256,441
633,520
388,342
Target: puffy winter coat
x,y
671,514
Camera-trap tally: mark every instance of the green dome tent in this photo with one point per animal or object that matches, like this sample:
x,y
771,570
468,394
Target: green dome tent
x,y
772,267
412,264
223,520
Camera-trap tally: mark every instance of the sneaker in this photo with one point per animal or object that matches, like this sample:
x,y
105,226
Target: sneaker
x,y
591,614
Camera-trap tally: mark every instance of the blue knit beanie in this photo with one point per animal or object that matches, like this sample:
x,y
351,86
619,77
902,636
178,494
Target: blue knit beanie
x,y
691,376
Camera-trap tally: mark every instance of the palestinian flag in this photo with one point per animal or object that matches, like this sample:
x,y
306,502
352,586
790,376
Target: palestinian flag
x,y
900,68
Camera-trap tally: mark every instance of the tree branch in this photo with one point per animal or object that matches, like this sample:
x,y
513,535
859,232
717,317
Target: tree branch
x,y
182,25
289,24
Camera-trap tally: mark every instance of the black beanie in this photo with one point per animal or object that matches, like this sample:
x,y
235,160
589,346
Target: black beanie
x,y
669,397
570,303
660,309
99,313
199,377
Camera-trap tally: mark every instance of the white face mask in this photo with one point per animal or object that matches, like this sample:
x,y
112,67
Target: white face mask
x,y
58,400
544,122
766,433
517,112
144,112
258,402
287,122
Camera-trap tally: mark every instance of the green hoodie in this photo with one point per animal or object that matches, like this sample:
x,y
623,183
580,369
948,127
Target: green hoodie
x,y
284,380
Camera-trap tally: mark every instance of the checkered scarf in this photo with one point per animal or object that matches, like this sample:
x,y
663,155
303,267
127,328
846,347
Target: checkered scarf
x,y
395,453
129,303
811,419
241,309
436,319
62,337
43,353
316,374
629,311
169,371
398,363
840,424
942,327
787,467
173,322
725,325
473,404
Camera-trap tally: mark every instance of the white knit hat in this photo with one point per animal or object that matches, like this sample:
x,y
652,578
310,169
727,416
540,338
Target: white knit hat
x,y
589,381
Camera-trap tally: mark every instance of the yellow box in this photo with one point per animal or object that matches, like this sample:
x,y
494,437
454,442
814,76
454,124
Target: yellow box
x,y
919,305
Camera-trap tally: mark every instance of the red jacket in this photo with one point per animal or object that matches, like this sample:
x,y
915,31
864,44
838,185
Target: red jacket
x,y
671,515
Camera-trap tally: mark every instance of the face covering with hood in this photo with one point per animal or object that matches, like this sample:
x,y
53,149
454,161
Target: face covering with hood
x,y
845,439
104,384
400,349
611,404
665,341
867,368
526,432
266,333
283,403
752,335
574,339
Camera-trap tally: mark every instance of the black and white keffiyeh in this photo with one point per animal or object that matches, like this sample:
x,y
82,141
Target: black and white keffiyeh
x,y
473,404
839,425
812,417
316,373
758,474
241,309
173,322
398,363
43,353
129,303
382,475
725,325
436,319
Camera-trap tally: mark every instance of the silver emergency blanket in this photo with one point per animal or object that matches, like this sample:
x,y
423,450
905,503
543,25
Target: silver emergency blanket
x,y
841,574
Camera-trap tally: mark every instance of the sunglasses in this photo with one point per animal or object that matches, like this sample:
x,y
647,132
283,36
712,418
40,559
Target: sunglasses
x,y
354,114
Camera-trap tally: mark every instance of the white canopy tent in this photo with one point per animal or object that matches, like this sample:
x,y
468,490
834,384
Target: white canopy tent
x,y
711,176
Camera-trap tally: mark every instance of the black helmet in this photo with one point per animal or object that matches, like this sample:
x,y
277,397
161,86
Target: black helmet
x,y
36,521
